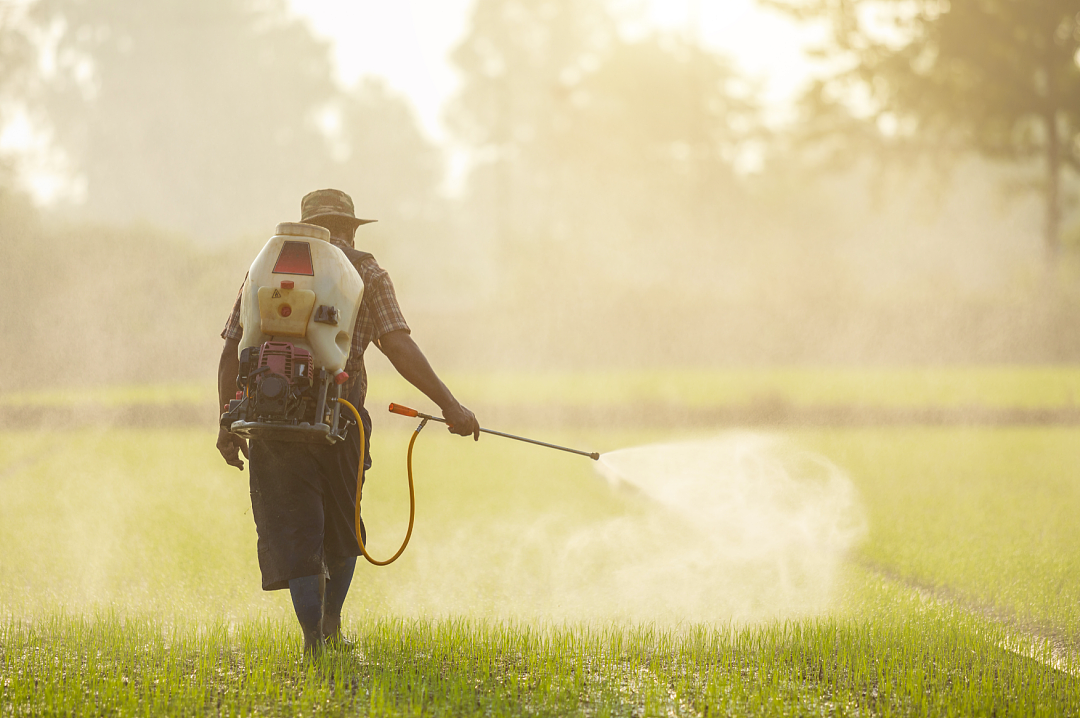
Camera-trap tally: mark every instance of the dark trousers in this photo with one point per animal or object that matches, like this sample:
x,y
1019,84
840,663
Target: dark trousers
x,y
303,499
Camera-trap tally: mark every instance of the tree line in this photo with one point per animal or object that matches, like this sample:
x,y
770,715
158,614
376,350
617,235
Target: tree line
x,y
1000,78
190,113
630,176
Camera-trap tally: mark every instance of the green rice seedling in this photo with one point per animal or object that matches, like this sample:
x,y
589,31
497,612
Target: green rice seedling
x,y
912,660
128,586
984,517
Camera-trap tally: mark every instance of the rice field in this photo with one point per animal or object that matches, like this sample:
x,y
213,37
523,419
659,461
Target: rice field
x,y
992,386
129,585
905,662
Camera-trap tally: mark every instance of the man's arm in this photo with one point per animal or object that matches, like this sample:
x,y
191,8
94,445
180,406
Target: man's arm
x,y
230,445
410,362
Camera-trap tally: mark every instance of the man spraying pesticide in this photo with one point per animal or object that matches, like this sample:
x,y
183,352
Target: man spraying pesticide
x,y
303,492
293,359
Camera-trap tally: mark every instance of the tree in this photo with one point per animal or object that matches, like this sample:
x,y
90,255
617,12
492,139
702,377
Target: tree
x,y
394,174
657,128
391,169
592,141
520,63
1000,77
15,63
198,115
605,167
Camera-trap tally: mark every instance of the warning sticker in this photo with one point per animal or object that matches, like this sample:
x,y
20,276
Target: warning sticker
x,y
276,294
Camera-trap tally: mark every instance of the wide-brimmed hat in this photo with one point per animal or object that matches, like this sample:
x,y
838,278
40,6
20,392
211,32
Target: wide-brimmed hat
x,y
329,203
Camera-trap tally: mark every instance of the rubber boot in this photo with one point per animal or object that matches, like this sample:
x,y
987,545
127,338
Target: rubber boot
x,y
341,575
307,595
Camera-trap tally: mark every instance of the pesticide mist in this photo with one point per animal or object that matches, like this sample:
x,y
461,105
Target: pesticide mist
x,y
744,526
731,530
739,528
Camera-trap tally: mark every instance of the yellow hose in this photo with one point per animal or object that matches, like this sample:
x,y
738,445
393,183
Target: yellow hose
x,y
360,487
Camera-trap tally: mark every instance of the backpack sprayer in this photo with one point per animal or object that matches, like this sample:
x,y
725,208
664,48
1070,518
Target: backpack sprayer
x,y
298,308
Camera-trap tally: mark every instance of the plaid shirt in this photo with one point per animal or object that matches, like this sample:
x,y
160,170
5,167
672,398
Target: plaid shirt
x,y
379,314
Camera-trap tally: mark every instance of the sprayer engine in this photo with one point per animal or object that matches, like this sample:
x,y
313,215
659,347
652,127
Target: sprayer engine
x,y
279,381
282,396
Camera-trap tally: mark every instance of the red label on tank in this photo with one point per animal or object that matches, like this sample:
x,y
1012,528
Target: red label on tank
x,y
294,258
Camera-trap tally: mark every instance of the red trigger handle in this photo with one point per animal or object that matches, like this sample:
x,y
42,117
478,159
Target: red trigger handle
x,y
403,410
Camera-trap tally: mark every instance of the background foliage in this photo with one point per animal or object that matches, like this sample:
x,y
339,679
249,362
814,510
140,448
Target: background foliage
x,y
630,199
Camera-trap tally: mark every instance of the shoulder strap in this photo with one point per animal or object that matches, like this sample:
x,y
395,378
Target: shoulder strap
x,y
355,255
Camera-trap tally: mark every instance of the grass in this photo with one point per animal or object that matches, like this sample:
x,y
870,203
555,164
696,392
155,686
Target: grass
x,y
129,586
908,661
987,514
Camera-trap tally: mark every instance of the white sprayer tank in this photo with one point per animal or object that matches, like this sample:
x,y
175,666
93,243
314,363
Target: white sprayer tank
x,y
302,289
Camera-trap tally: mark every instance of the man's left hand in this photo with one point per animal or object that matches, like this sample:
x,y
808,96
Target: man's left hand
x,y
231,446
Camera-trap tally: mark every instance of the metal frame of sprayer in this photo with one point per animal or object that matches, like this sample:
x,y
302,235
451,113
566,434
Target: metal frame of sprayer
x,y
294,403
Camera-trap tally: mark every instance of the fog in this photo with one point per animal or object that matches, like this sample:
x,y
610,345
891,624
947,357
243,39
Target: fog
x,y
728,529
734,529
626,205
607,219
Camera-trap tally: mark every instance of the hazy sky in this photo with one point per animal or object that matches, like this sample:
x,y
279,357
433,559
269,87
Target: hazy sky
x,y
408,41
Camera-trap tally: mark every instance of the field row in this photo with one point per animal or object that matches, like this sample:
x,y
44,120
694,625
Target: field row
x,y
128,578
908,660
946,387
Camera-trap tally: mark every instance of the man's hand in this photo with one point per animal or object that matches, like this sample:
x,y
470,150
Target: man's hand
x,y
230,446
462,422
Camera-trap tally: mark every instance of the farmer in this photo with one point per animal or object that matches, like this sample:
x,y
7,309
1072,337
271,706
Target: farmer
x,y
303,496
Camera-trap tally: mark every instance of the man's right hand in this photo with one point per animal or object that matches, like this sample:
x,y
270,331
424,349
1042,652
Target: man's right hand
x,y
462,422
230,446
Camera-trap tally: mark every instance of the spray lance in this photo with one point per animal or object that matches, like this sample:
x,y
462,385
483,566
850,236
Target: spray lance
x,y
406,411
424,419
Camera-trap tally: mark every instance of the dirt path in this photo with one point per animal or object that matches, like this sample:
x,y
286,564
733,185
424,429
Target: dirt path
x,y
764,413
80,416
1023,637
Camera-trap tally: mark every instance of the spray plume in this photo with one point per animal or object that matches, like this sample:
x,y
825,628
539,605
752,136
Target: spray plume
x,y
735,529
730,530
